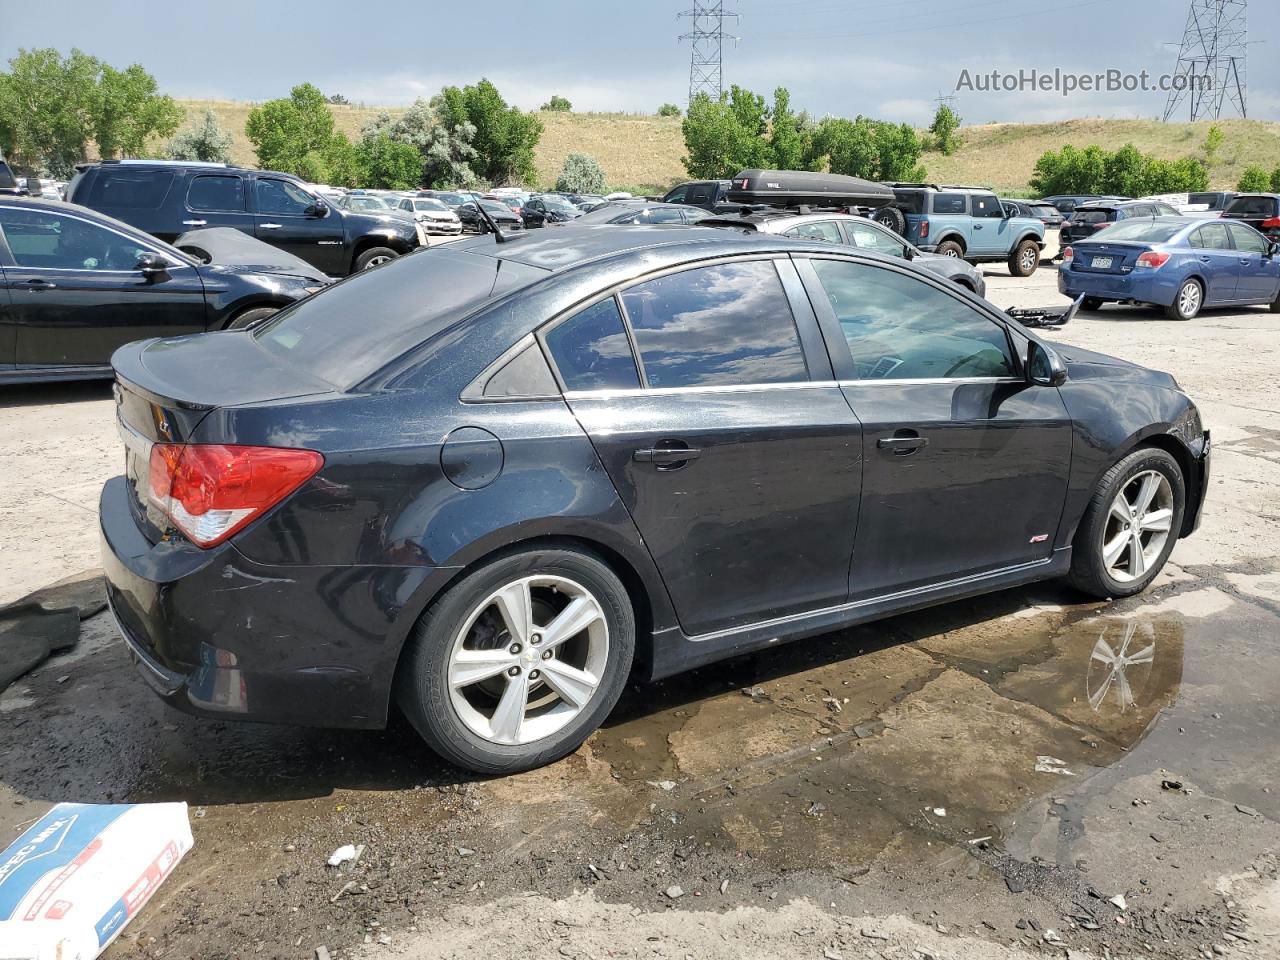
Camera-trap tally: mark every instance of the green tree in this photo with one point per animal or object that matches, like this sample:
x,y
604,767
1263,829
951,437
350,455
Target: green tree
x,y
668,110
1254,180
945,124
788,136
205,141
337,98
1275,180
445,152
295,135
867,148
1127,172
580,174
388,164
129,109
1213,141
504,135
557,104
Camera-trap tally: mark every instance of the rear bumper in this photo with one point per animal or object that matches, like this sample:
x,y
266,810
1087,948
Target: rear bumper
x,y
1146,287
215,634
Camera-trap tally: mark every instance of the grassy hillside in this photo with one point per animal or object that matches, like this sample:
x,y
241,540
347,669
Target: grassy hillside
x,y
644,151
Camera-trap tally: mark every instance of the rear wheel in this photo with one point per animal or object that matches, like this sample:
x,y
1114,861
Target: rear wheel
x,y
373,257
1091,304
1130,526
1186,305
893,218
1024,259
949,248
249,317
1275,304
520,661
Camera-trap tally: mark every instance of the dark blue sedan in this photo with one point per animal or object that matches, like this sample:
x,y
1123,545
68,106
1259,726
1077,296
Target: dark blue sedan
x,y
1177,263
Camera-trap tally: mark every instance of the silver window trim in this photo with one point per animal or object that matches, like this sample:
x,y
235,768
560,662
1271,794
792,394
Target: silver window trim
x,y
92,223
706,388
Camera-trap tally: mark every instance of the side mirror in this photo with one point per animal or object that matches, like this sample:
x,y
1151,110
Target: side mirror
x,y
152,265
1044,366
316,210
1274,249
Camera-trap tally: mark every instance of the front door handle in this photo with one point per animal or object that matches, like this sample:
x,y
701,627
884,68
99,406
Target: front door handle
x,y
269,226
902,446
1204,259
194,223
977,226
666,455
35,284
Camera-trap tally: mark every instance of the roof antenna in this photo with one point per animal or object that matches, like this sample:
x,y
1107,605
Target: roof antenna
x,y
498,235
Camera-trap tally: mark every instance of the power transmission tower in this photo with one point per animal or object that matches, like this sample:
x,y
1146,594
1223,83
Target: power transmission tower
x,y
1211,60
707,37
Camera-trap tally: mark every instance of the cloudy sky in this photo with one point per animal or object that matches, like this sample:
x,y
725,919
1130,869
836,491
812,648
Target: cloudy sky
x,y
885,58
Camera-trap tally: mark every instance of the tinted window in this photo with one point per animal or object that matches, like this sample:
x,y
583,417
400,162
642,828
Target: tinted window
x,y
899,327
1144,230
6,176
700,193
869,238
1065,206
282,197
591,350
38,238
1251,207
216,193
822,230
660,215
909,201
1044,211
1248,239
949,203
1092,216
355,327
129,188
1212,236
524,375
987,207
719,325
675,196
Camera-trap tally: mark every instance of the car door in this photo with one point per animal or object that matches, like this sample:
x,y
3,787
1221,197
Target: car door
x,y
730,443
989,230
217,200
866,235
965,462
282,220
1259,277
826,230
1219,263
76,293
8,327
949,216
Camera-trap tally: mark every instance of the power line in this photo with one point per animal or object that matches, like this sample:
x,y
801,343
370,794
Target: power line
x,y
1211,73
707,38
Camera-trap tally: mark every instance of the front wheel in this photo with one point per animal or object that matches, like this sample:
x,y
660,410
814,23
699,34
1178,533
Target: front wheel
x,y
1130,525
1186,305
1024,259
520,661
373,257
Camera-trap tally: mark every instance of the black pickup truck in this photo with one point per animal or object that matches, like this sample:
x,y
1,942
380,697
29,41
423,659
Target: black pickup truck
x,y
170,198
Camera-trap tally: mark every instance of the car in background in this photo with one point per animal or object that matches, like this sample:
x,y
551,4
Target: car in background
x,y
1179,264
544,208
513,202
644,211
1259,210
1046,213
167,198
367,203
8,182
433,215
450,198
1088,218
1067,203
853,231
75,285
583,200
708,194
965,222
535,473
1210,201
499,212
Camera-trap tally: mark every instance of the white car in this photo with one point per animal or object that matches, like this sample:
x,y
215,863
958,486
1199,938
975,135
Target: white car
x,y
432,215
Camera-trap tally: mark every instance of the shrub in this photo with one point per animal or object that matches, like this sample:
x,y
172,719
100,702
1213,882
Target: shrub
x,y
580,174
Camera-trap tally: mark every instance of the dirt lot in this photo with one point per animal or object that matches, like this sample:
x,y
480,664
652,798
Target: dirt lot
x,y
975,781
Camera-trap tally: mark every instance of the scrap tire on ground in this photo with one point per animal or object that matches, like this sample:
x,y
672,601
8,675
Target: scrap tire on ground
x,y
423,688
893,218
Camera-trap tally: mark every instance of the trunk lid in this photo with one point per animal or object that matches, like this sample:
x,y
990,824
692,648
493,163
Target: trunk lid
x,y
1098,257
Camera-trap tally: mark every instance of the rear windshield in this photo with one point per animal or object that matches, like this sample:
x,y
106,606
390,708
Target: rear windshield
x,y
1092,216
909,201
1142,230
356,327
1251,207
1044,210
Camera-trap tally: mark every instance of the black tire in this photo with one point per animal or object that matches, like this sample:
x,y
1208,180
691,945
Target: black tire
x,y
1186,305
1092,304
1275,304
1024,258
1088,569
893,218
373,257
249,317
950,248
422,688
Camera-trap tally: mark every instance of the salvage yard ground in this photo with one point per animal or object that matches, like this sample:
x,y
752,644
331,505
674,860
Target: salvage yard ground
x,y
1021,774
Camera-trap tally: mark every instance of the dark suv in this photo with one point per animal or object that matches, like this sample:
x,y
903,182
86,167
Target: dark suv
x,y
1259,210
1088,218
167,199
708,194
8,183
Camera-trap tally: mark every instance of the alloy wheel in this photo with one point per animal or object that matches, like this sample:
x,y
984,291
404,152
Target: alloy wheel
x,y
1138,526
374,261
528,659
1189,299
1029,258
1121,668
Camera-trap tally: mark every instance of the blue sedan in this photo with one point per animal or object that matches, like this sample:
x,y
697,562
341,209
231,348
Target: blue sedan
x,y
1176,263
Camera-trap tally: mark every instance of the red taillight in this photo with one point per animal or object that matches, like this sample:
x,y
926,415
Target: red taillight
x,y
924,229
211,490
1271,223
1067,255
1154,259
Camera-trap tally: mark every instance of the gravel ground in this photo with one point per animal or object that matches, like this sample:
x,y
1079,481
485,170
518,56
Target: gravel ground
x,y
946,784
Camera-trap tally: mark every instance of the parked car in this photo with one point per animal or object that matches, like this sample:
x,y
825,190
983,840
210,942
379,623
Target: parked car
x,y
593,450
366,203
1067,203
1211,201
965,222
450,198
75,285
168,198
1179,264
1259,210
699,193
644,211
498,211
858,232
1088,218
1046,213
546,208
432,214
8,182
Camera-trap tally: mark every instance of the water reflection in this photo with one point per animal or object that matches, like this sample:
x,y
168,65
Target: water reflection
x,y
1121,670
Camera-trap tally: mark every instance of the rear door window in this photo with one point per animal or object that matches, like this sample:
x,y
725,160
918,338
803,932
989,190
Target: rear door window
x,y
821,230
953,203
722,325
129,188
700,193
216,193
591,350
1212,236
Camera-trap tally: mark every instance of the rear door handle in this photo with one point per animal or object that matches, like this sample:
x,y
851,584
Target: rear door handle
x,y
269,226
194,223
35,284
666,455
1204,259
